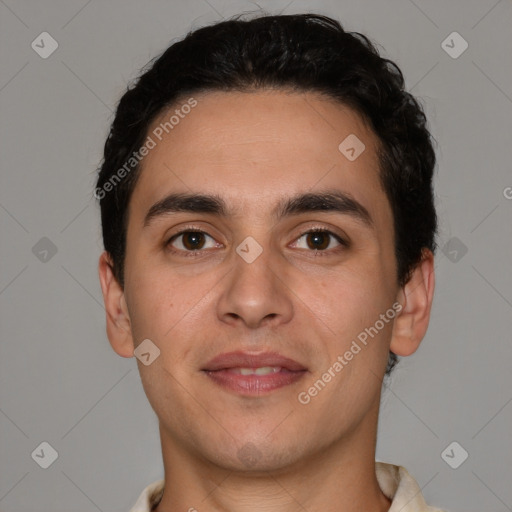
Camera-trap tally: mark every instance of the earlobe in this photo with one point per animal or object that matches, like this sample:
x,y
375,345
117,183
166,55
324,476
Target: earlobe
x,y
416,298
117,317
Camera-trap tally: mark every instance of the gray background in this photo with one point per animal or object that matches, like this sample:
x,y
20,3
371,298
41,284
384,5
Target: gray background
x,y
60,381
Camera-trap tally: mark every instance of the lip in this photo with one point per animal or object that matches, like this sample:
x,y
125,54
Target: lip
x,y
247,360
220,370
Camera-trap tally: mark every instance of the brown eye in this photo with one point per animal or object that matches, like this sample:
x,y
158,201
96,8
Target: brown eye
x,y
190,241
193,240
320,240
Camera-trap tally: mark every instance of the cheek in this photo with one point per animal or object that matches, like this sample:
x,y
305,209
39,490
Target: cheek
x,y
345,308
167,308
152,305
345,298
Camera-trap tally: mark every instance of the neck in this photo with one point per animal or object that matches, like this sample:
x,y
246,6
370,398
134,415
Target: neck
x,y
340,478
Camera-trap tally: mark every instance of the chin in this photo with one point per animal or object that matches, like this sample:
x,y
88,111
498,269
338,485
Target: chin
x,y
254,456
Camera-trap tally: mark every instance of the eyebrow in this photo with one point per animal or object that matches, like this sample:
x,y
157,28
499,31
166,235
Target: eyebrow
x,y
326,201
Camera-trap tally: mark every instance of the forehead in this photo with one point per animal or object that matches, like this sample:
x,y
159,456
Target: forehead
x,y
252,148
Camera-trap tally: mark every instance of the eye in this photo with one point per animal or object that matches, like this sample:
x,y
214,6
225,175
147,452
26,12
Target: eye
x,y
189,241
321,239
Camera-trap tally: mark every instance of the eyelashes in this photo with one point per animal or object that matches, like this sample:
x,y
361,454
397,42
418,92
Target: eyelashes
x,y
320,233
198,235
193,242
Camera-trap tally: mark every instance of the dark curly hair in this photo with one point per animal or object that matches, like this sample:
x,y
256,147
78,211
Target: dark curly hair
x,y
305,52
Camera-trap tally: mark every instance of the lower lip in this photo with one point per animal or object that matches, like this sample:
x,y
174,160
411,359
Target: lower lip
x,y
254,384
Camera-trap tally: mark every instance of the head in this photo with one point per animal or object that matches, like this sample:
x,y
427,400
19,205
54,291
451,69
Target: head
x,y
254,114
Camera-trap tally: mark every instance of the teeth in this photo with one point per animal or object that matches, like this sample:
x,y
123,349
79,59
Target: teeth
x,y
264,370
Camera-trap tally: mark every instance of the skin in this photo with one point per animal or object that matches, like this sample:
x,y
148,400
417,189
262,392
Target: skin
x,y
253,149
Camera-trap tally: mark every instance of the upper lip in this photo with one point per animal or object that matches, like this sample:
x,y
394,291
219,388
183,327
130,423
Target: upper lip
x,y
247,360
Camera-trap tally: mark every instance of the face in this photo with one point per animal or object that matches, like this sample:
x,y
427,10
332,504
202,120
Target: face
x,y
256,278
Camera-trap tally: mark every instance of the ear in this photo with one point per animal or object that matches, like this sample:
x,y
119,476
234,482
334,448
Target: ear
x,y
118,320
416,298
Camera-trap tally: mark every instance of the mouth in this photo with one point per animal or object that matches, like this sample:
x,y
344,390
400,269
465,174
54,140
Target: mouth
x,y
253,374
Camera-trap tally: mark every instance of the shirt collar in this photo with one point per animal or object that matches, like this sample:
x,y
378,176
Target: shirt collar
x,y
399,486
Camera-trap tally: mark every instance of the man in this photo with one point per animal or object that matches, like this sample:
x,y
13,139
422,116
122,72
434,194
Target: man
x,y
269,229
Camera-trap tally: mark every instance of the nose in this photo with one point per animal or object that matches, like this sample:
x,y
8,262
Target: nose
x,y
255,293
